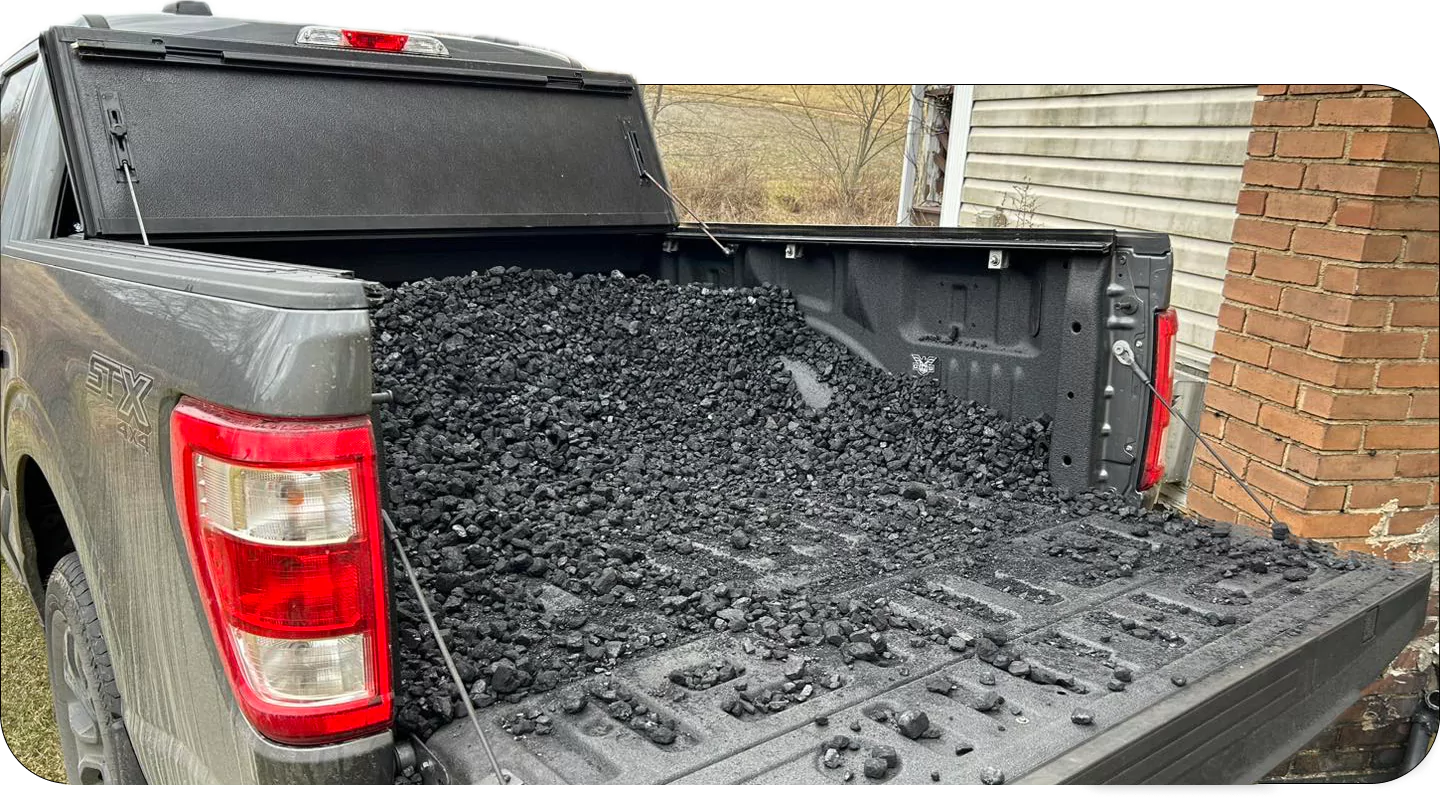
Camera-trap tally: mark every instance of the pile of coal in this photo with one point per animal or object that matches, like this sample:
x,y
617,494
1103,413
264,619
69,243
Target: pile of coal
x,y
802,682
706,675
581,469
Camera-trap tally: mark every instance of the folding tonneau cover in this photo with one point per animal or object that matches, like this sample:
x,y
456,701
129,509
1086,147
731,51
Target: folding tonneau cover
x,y
284,139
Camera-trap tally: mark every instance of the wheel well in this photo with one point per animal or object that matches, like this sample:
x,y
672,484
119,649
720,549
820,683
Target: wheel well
x,y
41,519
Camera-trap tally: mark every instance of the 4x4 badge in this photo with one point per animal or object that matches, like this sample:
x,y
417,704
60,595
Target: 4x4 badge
x,y
121,385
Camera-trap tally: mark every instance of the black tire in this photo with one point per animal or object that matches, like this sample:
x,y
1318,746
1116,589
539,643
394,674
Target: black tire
x,y
93,738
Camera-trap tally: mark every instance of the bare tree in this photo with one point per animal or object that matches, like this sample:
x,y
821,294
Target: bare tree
x,y
658,101
841,139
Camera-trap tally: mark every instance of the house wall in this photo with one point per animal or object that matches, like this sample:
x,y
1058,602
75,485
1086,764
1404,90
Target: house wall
x,y
1323,391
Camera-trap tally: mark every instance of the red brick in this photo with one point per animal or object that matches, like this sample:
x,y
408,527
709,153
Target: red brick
x,y
1233,403
1241,348
1413,313
1284,113
1349,407
1240,261
1380,215
1408,375
1310,144
1429,183
1374,495
1302,207
1322,371
1337,309
1402,436
1287,268
1311,432
1419,464
1366,343
1250,203
1341,466
1432,347
1425,405
1273,173
1252,292
1407,522
1222,371
1394,146
1231,317
1228,491
1212,425
1324,525
1283,486
1273,88
1202,476
1275,235
1259,443
1277,388
1395,112
1377,281
1262,142
1284,329
1323,88
1364,247
1208,507
1421,249
1375,181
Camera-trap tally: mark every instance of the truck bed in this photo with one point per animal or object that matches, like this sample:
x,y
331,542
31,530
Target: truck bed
x,y
1218,703
1045,634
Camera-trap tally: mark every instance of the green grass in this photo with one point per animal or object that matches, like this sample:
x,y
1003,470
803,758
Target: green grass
x,y
26,715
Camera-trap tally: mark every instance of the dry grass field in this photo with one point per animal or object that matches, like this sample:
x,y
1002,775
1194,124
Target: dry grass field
x,y
820,154
26,716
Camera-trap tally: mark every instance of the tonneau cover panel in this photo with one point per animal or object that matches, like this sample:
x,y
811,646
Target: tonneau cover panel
x,y
232,138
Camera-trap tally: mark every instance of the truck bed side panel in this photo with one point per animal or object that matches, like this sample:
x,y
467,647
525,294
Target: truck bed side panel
x,y
100,355
1030,339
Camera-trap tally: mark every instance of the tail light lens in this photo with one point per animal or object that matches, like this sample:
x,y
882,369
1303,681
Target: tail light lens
x,y
281,519
1167,324
412,43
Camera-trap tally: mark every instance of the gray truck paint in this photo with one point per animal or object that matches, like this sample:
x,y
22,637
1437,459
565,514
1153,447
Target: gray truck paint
x,y
115,488
101,338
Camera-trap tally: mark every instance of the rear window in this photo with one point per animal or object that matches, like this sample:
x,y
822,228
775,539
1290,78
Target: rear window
x,y
12,96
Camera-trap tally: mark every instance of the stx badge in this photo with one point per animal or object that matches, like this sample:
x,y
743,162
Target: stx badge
x,y
923,364
127,389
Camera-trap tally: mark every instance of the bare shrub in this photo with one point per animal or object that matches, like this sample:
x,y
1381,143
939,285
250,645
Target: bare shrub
x,y
720,189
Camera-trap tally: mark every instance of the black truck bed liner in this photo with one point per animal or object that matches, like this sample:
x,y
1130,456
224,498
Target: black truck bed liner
x,y
1216,703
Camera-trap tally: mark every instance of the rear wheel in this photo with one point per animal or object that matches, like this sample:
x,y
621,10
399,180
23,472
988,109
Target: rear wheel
x,y
93,738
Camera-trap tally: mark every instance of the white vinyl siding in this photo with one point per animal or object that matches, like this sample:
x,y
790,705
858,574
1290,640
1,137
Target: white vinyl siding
x,y
1156,158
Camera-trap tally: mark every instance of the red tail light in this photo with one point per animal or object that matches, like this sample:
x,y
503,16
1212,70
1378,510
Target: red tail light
x,y
369,40
282,522
412,43
1167,324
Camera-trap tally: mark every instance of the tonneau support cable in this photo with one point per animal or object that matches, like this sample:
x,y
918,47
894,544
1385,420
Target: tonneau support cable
x,y
1279,530
139,218
501,777
645,173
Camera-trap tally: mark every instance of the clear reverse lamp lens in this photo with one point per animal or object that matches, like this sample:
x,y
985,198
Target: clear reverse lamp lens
x,y
318,36
425,45
272,506
312,671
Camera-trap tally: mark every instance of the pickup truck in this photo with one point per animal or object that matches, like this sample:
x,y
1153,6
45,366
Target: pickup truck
x,y
199,215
